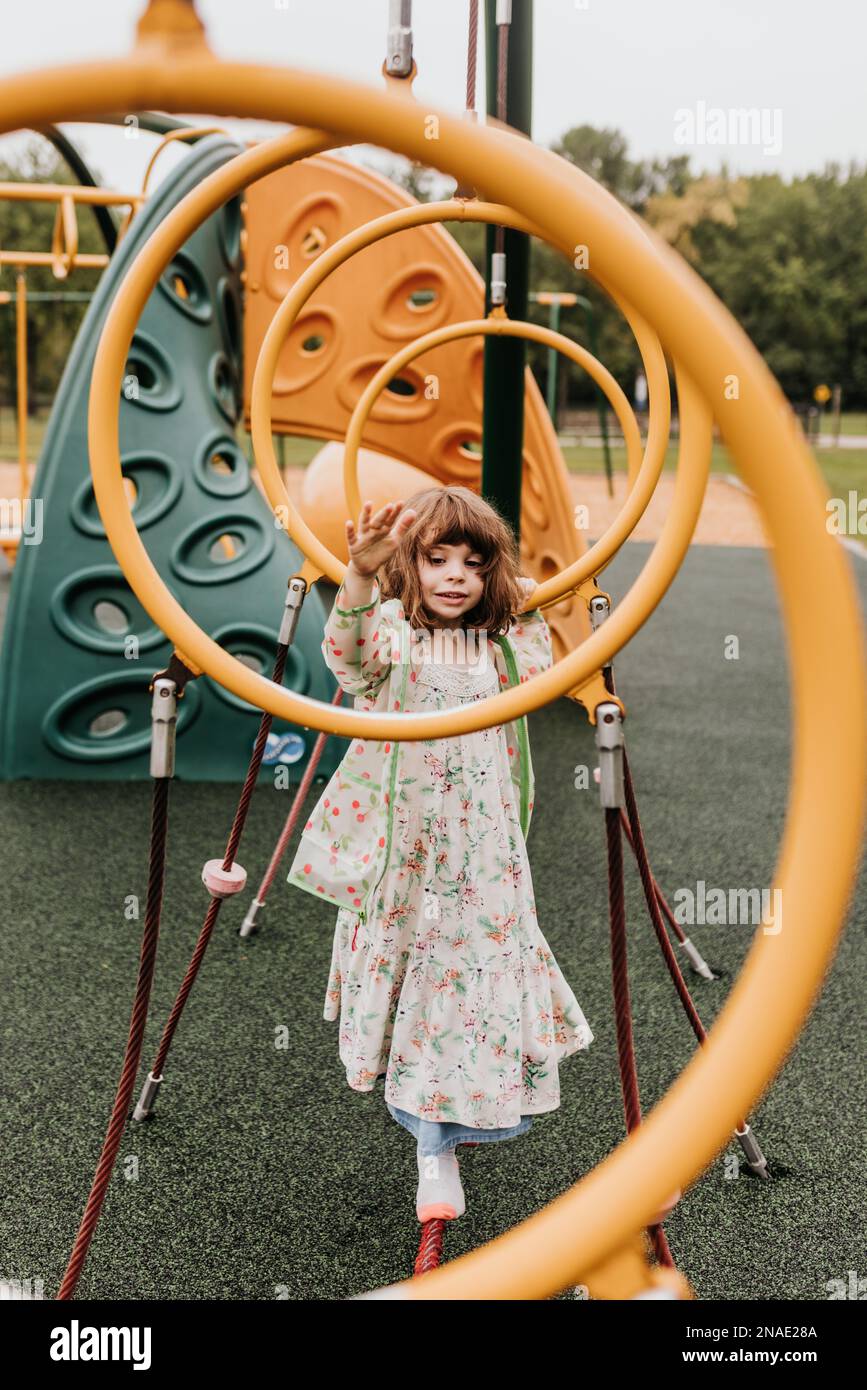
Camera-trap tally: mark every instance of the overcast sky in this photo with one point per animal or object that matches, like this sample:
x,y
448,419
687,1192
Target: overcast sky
x,y
666,73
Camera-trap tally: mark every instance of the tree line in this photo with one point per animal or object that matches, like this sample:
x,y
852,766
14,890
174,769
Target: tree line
x,y
787,257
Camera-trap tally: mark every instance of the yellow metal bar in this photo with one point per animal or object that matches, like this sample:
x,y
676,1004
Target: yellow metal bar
x,y
64,239
821,847
556,297
169,25
55,192
193,132
84,259
64,255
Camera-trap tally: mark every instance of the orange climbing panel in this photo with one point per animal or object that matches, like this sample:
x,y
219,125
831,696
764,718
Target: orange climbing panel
x,y
384,296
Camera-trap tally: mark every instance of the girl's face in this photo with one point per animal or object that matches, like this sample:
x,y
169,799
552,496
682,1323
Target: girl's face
x,y
451,584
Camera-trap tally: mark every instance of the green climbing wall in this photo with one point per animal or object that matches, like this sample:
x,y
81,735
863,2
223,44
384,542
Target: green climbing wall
x,y
74,700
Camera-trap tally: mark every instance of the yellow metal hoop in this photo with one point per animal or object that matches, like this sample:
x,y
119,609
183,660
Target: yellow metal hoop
x,y
494,326
456,209
820,851
571,672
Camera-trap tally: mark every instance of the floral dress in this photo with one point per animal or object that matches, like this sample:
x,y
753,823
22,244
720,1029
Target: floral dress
x,y
448,987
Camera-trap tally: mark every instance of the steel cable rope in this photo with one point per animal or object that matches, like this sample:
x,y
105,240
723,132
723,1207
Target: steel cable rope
x,y
135,1040
622,1006
150,940
285,836
472,55
213,911
630,823
504,26
664,905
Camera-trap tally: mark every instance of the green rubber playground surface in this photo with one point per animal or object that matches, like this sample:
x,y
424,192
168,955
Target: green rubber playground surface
x,y
262,1175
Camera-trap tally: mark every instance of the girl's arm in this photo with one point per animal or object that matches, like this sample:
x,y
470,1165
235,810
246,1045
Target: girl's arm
x,y
358,640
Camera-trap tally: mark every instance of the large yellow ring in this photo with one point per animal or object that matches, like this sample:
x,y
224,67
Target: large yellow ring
x,y
496,326
820,851
114,345
642,482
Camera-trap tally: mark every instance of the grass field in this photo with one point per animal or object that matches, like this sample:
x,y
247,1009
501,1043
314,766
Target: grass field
x,y
856,423
843,469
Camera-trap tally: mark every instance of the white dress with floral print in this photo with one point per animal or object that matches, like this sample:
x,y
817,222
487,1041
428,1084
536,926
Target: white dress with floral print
x,y
448,986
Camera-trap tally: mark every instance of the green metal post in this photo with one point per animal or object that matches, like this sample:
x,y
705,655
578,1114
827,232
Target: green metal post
x,y
553,362
601,402
503,428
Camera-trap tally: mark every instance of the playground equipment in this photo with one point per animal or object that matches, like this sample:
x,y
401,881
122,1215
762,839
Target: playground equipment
x,y
352,320
590,1233
63,257
194,479
73,679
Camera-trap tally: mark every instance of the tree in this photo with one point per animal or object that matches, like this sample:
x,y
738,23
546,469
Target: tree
x,y
792,269
711,198
602,155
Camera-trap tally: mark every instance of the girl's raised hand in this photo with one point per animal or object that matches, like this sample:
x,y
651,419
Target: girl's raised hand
x,y
526,587
377,536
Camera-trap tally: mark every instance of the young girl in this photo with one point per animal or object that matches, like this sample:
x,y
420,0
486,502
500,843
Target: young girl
x,y
442,977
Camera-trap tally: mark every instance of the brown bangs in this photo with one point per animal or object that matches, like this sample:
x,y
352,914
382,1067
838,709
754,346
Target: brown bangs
x,y
456,516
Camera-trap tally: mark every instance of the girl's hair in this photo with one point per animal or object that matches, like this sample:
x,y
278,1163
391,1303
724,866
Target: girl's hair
x,y
456,516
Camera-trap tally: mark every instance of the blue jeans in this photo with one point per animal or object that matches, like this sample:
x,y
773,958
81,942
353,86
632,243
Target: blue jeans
x,y
436,1136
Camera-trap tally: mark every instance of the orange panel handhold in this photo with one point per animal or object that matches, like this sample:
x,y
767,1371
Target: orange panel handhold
x,y
386,295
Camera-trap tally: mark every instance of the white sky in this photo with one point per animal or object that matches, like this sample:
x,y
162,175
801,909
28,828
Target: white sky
x,y
629,64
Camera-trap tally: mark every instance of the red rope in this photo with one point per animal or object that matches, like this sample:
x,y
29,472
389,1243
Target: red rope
x,y
653,906
622,1004
150,938
661,1246
132,1057
502,70
502,89
215,904
660,896
255,764
298,802
472,54
430,1246
619,973
648,882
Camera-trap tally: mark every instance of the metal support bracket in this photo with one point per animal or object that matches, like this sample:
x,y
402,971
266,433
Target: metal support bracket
x,y
609,741
164,722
